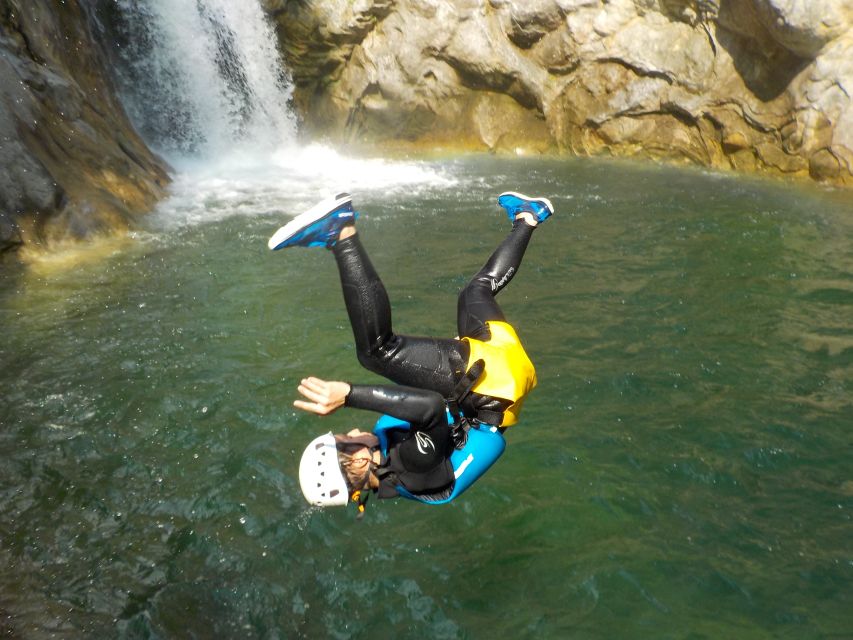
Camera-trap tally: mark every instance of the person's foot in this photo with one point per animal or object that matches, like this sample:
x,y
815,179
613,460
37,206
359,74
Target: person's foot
x,y
517,203
320,226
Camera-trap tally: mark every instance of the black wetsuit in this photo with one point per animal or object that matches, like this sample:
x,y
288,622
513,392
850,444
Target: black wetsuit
x,y
425,362
419,458
430,368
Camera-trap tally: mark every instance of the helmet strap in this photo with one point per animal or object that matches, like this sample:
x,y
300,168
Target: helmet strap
x,y
360,496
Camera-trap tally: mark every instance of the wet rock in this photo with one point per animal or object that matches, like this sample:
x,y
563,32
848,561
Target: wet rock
x,y
746,84
73,165
804,28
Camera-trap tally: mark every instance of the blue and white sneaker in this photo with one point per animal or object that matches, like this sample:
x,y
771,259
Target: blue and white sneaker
x,y
317,227
515,203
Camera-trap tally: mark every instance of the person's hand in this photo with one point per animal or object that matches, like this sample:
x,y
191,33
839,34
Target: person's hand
x,y
324,396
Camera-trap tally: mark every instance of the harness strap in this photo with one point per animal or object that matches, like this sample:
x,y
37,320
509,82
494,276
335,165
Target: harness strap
x,y
460,426
463,387
385,472
487,416
461,391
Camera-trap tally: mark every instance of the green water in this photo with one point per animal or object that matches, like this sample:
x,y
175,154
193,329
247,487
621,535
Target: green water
x,y
683,469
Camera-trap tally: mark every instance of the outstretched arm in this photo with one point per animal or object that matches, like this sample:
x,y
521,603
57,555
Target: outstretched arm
x,y
417,406
420,407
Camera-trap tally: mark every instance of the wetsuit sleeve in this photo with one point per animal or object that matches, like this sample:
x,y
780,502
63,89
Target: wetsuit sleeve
x,y
416,406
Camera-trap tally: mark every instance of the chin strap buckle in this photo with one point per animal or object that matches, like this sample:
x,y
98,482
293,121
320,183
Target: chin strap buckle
x,y
360,497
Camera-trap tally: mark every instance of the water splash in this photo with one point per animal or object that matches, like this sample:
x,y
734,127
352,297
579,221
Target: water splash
x,y
285,181
203,84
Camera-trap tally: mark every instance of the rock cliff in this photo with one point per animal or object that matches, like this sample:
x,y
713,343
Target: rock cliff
x,y
755,85
72,165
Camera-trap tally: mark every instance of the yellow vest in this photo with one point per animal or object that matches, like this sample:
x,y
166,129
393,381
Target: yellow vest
x,y
509,374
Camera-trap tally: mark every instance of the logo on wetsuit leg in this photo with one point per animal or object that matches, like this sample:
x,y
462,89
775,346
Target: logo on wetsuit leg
x,y
425,443
497,284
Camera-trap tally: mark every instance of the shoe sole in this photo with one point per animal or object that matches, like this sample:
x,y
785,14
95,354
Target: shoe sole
x,y
524,197
306,219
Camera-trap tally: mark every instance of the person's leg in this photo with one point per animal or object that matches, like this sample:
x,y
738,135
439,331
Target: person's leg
x,y
477,304
428,363
365,296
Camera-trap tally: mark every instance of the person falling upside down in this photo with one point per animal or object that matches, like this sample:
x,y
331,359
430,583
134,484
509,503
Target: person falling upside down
x,y
446,391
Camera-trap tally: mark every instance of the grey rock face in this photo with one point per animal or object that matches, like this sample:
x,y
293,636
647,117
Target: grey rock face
x,y
72,164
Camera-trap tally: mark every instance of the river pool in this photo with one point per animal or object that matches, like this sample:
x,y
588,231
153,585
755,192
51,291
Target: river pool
x,y
683,469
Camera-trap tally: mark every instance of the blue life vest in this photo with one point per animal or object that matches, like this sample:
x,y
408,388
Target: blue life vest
x,y
484,446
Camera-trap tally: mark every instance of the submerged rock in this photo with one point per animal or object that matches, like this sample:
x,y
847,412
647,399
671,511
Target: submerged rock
x,y
750,85
72,164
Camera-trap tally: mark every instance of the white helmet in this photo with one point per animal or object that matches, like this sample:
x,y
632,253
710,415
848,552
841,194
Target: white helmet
x,y
320,475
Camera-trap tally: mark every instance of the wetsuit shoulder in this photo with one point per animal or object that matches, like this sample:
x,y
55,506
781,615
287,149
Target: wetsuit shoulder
x,y
417,458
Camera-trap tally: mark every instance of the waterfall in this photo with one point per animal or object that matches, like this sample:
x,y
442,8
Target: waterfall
x,y
203,83
201,77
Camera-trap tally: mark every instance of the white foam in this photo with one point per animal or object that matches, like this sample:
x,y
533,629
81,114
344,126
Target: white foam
x,y
284,183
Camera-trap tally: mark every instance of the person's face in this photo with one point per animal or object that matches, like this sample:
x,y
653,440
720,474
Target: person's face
x,y
361,456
